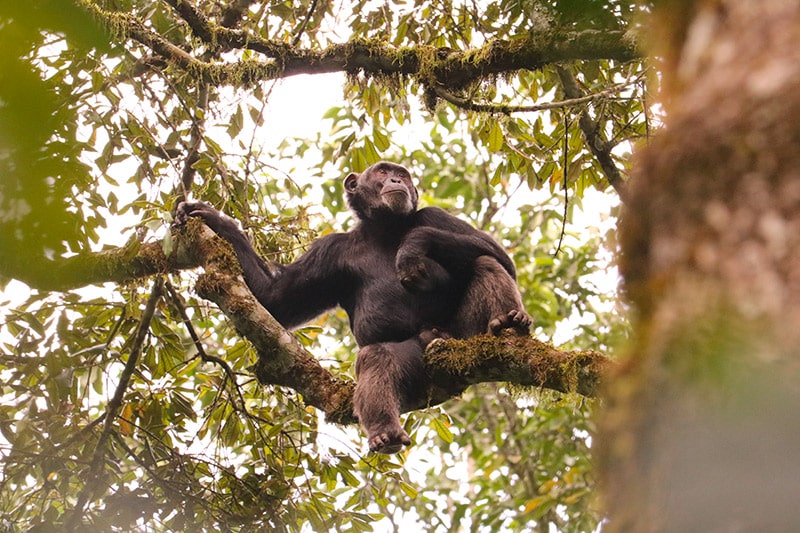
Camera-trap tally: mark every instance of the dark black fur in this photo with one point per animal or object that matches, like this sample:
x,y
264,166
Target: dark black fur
x,y
404,276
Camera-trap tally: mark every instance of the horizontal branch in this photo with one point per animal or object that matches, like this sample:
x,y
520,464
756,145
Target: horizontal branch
x,y
91,268
507,109
520,360
448,68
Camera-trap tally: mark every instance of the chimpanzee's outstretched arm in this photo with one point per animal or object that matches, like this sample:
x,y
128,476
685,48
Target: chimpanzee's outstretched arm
x,y
256,271
293,293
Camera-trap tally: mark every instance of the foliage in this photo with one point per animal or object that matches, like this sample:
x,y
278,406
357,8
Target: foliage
x,y
101,137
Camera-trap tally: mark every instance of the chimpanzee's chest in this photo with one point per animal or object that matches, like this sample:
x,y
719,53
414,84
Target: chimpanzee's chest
x,y
380,308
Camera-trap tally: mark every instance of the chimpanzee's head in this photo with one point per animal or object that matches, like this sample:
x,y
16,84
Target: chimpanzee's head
x,y
384,189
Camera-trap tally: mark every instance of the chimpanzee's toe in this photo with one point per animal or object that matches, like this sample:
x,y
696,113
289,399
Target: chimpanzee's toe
x,y
389,442
515,319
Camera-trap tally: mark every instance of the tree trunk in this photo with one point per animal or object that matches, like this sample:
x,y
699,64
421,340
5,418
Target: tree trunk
x,y
702,431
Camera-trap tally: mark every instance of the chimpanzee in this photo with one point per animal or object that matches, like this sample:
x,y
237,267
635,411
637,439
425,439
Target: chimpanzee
x,y
404,276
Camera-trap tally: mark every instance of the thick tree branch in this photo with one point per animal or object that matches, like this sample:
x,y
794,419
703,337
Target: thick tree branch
x,y
132,261
520,360
448,68
453,364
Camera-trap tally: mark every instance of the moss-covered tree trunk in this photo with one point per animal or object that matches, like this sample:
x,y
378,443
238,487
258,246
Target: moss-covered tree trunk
x,y
703,427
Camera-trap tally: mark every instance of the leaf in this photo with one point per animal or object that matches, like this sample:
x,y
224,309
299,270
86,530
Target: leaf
x,y
125,416
442,430
496,137
410,491
167,243
371,154
236,122
380,139
533,504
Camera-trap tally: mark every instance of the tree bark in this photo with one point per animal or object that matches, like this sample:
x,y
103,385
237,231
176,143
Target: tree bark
x,y
701,429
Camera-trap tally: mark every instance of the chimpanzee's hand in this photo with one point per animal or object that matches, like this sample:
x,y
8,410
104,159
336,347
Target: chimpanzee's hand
x,y
223,226
418,273
412,273
202,210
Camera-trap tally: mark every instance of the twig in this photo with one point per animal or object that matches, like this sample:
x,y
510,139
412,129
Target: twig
x,y
303,25
93,476
566,189
503,109
229,373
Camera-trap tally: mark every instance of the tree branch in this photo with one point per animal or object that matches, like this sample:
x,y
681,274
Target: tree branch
x,y
505,109
520,360
450,69
453,364
593,136
98,459
133,261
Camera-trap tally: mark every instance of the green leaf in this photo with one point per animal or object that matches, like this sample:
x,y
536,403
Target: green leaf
x,y
496,137
442,430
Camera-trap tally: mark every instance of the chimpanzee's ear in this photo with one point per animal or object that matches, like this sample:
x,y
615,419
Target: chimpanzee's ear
x,y
351,182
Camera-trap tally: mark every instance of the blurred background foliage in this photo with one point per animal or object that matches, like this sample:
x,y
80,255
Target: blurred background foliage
x,y
95,139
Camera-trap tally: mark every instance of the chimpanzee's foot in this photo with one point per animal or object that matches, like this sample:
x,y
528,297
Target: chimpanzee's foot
x,y
427,336
388,440
515,319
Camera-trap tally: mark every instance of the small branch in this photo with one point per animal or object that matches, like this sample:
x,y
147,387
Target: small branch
x,y
230,375
565,166
503,109
599,147
302,28
234,13
195,142
196,21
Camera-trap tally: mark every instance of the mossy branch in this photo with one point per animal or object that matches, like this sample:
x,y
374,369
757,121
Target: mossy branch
x,y
132,261
520,360
448,69
452,364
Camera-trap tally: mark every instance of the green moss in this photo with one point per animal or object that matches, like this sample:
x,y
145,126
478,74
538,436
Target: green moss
x,y
209,284
342,412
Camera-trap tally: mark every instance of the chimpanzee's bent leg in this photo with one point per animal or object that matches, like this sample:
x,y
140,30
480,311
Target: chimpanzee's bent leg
x,y
389,378
491,303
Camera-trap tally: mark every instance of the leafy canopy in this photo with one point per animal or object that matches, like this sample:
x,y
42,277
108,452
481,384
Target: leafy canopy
x,y
115,110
